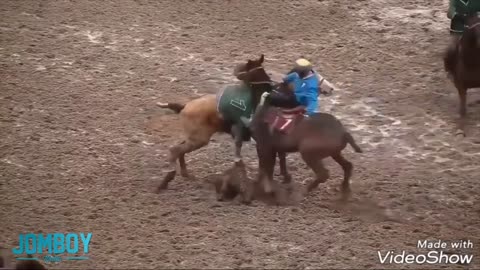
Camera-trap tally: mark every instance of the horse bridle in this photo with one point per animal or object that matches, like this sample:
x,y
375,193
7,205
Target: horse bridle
x,y
270,81
475,24
256,83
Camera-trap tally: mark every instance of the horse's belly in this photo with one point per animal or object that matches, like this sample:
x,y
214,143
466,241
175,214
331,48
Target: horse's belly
x,y
471,79
285,143
201,114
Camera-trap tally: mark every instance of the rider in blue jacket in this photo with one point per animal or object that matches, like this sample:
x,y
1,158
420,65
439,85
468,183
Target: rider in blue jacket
x,y
305,82
306,85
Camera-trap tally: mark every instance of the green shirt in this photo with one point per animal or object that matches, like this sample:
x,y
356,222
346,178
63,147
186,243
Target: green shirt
x,y
457,9
234,102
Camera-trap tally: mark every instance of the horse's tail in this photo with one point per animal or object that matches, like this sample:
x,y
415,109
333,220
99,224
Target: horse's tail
x,y
351,141
176,107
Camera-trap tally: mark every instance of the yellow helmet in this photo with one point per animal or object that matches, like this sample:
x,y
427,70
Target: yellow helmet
x,y
303,63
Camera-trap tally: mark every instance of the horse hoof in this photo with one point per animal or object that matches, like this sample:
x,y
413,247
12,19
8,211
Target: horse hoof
x,y
345,196
311,187
184,174
161,188
460,133
290,188
272,194
287,179
169,176
346,191
246,202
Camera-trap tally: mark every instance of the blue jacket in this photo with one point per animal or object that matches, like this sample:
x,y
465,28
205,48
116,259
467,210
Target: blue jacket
x,y
306,90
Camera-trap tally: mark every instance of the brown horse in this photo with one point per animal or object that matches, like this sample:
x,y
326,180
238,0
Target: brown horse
x,y
316,137
462,63
201,118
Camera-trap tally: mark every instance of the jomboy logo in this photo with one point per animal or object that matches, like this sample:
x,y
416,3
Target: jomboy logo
x,y
53,243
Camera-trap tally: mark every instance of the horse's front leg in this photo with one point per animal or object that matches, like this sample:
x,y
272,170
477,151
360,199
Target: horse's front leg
x,y
237,132
462,94
287,178
266,162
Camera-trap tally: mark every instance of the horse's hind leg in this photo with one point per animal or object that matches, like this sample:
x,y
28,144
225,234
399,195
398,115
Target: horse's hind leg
x,y
238,134
183,165
177,152
315,162
287,178
347,167
172,158
266,161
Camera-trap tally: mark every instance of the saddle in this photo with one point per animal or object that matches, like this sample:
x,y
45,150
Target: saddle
x,y
285,119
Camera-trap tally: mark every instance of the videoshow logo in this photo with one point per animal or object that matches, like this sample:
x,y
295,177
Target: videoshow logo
x,y
53,244
458,256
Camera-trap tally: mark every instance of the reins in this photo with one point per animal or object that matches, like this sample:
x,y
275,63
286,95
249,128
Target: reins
x,y
474,25
469,27
253,69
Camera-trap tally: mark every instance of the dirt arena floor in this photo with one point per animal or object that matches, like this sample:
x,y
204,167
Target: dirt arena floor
x,y
83,143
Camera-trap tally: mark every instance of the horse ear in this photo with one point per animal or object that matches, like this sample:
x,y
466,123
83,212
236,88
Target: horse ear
x,y
262,57
249,64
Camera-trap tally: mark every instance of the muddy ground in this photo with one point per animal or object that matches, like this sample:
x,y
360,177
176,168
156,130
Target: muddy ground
x,y
83,143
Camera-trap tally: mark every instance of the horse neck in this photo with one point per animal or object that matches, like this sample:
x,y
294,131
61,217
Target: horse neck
x,y
261,111
257,91
469,52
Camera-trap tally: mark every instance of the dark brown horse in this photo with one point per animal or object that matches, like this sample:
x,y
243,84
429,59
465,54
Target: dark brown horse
x,y
462,62
316,137
201,118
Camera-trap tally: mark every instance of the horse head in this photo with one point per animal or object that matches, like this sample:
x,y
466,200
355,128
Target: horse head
x,y
253,74
252,71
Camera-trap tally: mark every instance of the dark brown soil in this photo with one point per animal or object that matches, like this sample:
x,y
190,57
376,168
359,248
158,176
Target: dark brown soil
x,y
83,144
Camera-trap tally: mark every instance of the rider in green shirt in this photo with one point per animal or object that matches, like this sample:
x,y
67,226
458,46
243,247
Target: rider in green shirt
x,y
457,12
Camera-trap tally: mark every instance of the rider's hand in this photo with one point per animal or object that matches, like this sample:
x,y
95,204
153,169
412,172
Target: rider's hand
x,y
263,97
327,92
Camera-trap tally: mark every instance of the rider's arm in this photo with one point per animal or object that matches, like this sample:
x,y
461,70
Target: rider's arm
x,y
291,77
311,97
312,104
